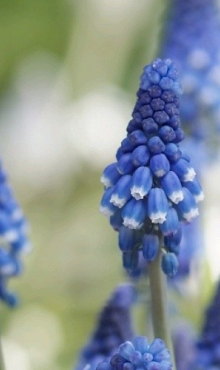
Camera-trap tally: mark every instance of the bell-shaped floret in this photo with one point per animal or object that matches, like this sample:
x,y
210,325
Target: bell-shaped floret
x,y
106,207
150,245
159,165
187,208
170,264
172,242
110,175
184,170
141,182
125,165
134,214
172,187
195,189
157,206
127,238
121,193
155,145
140,156
172,152
171,224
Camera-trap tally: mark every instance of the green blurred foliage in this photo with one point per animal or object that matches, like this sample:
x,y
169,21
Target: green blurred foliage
x,y
28,25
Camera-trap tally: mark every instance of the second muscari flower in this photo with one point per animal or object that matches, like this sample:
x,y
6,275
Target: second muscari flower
x,y
152,189
139,354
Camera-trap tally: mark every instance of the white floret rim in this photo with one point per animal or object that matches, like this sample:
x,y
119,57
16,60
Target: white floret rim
x,y
190,175
131,223
106,211
138,193
158,217
176,196
160,173
106,181
118,202
199,197
194,212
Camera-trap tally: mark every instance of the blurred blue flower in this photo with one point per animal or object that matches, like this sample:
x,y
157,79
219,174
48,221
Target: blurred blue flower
x,y
114,326
202,353
192,40
191,248
139,354
14,238
208,345
152,187
184,346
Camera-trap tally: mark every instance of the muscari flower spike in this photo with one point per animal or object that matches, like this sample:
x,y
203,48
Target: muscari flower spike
x,y
192,40
14,238
152,188
139,354
114,326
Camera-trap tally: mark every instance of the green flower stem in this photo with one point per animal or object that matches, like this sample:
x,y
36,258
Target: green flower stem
x,y
2,365
158,289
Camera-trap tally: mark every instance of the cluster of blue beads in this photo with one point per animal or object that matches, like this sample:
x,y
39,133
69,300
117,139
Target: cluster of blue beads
x,y
141,355
13,236
114,326
152,187
192,39
208,346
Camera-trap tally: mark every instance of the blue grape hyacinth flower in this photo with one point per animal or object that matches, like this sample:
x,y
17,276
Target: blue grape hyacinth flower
x,y
139,354
192,40
14,238
114,326
151,189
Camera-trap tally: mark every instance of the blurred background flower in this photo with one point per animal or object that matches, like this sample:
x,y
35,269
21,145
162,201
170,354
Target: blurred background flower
x,y
69,71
